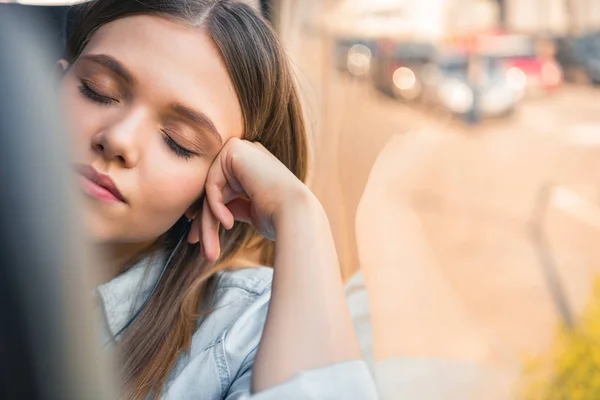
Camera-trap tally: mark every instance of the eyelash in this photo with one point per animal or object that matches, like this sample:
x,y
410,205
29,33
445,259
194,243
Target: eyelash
x,y
177,149
95,96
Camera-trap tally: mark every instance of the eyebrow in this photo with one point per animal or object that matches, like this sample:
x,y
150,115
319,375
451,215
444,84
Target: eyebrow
x,y
184,111
112,64
197,118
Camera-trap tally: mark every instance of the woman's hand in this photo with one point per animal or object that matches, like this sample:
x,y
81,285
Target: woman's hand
x,y
245,183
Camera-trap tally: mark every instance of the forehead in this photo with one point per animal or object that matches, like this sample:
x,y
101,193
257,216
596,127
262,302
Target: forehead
x,y
171,62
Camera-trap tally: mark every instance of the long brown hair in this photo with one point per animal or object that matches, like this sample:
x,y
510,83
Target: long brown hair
x,y
269,99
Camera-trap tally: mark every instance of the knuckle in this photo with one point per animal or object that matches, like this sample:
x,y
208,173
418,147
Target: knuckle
x,y
234,142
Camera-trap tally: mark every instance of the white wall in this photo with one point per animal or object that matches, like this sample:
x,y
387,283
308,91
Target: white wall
x,y
471,15
588,14
551,15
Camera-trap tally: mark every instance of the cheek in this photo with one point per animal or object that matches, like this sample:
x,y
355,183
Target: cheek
x,y
173,189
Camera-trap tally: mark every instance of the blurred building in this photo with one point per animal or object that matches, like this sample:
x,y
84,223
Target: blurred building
x,y
425,19
437,18
555,17
465,16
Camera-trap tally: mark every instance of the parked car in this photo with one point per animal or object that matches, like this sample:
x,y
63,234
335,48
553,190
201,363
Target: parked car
x,y
526,56
395,65
591,52
357,26
580,57
353,55
470,86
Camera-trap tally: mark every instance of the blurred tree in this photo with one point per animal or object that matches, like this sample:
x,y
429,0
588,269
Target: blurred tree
x,y
571,370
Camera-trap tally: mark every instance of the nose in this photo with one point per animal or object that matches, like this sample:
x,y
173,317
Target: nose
x,y
120,141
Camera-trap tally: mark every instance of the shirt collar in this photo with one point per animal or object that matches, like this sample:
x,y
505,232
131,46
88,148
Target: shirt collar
x,y
122,297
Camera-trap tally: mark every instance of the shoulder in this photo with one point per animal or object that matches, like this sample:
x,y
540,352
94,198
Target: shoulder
x,y
237,312
255,280
227,334
240,306
232,327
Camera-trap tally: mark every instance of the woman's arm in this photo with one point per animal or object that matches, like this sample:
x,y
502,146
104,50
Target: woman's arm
x,y
308,324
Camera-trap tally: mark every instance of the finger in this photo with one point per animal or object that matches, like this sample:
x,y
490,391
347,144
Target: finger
x,y
216,203
216,182
240,209
210,233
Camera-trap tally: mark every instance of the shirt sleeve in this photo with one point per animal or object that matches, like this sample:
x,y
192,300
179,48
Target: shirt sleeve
x,y
348,380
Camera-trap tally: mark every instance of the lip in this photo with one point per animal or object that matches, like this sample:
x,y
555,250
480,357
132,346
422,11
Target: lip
x,y
99,185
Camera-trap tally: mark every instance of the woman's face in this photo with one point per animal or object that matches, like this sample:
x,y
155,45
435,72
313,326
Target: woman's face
x,y
150,104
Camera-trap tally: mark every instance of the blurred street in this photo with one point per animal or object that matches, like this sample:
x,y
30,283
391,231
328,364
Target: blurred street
x,y
476,189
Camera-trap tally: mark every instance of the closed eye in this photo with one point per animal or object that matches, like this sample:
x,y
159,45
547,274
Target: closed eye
x,y
179,150
91,94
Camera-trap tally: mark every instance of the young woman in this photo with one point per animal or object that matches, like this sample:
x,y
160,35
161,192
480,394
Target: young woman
x,y
190,146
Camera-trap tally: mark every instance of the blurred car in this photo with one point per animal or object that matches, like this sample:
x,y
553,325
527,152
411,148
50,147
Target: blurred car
x,y
580,57
568,55
590,50
526,57
472,87
395,65
353,55
357,26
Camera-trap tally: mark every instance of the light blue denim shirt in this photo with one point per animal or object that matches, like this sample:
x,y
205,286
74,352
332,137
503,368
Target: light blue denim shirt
x,y
219,365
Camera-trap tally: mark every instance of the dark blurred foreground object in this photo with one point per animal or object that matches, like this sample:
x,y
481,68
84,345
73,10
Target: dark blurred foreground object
x,y
54,18
57,18
47,346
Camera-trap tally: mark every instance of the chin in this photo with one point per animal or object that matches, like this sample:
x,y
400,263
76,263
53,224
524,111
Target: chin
x,y
98,233
110,229
99,229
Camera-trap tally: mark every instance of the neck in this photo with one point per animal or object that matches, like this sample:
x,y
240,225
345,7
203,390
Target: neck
x,y
120,256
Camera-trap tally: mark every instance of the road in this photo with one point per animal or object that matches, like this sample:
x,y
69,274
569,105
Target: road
x,y
476,190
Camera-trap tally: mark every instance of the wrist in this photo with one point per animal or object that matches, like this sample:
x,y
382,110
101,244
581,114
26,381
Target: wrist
x,y
301,206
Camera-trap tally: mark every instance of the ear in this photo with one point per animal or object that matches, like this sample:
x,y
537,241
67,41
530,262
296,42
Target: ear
x,y
196,207
60,68
191,212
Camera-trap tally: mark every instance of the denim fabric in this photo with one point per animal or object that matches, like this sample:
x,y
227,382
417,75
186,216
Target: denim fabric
x,y
219,365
